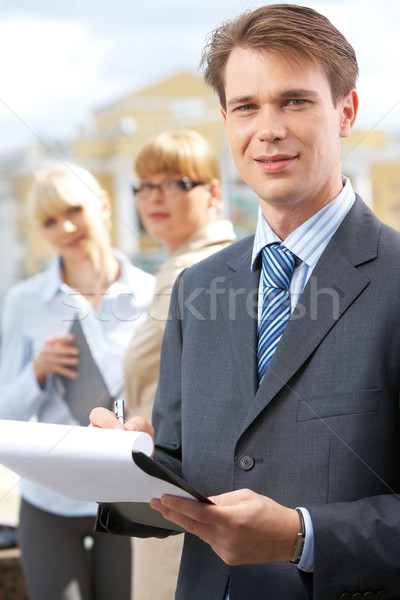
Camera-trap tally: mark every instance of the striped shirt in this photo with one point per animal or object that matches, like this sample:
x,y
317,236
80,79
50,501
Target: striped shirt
x,y
308,241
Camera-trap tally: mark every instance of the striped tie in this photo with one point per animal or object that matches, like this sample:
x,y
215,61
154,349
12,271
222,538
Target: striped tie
x,y
277,270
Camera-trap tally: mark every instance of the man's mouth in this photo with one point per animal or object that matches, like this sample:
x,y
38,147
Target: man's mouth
x,y
273,164
278,158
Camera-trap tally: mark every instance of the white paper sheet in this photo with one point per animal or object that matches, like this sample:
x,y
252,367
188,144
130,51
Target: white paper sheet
x,y
81,463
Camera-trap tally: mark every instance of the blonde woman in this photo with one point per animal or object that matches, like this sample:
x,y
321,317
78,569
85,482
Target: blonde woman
x,y
178,197
91,281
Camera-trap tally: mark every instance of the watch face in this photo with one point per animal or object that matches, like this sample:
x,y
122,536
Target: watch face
x,y
298,549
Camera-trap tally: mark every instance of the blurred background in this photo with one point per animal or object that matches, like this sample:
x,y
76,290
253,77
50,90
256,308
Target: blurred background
x,y
89,81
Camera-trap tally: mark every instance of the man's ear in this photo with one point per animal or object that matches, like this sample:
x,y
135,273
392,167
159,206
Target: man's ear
x,y
348,112
223,113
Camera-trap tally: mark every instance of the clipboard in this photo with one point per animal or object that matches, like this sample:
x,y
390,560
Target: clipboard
x,y
135,518
89,390
111,467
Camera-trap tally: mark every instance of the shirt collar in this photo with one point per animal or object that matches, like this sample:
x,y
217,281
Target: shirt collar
x,y
126,281
52,280
53,283
310,239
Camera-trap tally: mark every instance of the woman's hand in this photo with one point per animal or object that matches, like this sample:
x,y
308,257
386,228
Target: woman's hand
x,y
59,356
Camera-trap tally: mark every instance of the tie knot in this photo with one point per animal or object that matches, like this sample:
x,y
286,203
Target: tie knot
x,y
278,264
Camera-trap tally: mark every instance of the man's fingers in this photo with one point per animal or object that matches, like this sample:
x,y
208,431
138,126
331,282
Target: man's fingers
x,y
180,519
139,424
186,509
104,418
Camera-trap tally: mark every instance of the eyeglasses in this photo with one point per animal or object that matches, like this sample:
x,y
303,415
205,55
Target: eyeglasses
x,y
168,188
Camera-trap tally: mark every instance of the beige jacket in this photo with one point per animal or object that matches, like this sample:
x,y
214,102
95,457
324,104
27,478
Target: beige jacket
x,y
141,363
141,367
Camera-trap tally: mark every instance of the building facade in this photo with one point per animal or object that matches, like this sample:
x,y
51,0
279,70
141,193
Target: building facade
x,y
107,146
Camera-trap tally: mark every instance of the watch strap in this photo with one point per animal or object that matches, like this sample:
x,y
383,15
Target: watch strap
x,y
301,538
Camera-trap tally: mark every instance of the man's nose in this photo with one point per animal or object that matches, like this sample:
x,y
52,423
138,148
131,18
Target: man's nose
x,y
272,126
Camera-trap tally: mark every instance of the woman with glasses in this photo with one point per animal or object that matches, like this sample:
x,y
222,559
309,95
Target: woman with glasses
x,y
90,281
178,197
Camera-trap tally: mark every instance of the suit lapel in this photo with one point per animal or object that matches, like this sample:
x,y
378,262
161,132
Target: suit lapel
x,y
333,286
239,306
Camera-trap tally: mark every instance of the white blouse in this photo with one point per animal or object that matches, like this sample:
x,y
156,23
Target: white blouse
x,y
42,306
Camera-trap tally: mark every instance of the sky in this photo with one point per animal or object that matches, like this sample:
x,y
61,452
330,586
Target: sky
x,y
61,61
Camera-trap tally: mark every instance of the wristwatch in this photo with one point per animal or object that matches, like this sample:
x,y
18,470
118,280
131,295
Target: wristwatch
x,y
301,538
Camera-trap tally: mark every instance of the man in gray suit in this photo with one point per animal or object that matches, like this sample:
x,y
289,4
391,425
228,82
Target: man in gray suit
x,y
302,461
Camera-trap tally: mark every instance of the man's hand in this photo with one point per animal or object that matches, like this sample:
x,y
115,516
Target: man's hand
x,y
106,419
242,527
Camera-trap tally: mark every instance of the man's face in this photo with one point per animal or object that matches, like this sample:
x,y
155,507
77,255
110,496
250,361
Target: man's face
x,y
284,131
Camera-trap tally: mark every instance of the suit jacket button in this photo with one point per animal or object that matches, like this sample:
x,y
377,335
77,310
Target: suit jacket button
x,y
246,462
357,596
381,595
369,596
345,596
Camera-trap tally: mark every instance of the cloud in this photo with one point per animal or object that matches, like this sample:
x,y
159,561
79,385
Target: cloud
x,y
66,59
52,69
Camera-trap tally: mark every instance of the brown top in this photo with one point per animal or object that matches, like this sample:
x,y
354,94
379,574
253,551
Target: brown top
x,y
142,359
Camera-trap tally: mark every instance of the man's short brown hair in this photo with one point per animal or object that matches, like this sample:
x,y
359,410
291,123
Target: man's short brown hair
x,y
297,32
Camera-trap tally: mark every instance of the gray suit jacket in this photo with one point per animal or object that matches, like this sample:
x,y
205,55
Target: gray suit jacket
x,y
322,430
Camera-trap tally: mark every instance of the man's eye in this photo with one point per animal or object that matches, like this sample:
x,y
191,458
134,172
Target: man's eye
x,y
246,107
49,222
297,102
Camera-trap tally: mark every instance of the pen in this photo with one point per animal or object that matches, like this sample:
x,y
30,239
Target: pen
x,y
119,409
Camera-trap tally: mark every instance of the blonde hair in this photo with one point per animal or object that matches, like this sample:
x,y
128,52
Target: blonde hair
x,y
60,186
185,153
